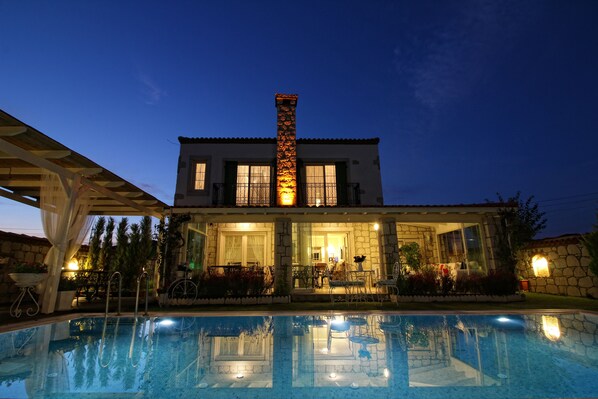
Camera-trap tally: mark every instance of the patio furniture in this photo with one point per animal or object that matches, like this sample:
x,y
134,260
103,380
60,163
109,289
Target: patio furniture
x,y
390,283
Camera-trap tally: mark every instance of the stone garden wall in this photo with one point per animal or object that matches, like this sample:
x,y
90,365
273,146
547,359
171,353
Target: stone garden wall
x,y
16,248
568,263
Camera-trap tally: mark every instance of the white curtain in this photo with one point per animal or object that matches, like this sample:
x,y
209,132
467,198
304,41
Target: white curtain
x,y
64,206
255,249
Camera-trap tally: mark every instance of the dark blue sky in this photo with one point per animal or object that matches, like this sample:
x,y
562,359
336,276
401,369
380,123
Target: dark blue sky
x,y
469,98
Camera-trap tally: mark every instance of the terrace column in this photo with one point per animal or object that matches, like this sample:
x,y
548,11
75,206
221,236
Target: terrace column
x,y
389,244
283,252
286,150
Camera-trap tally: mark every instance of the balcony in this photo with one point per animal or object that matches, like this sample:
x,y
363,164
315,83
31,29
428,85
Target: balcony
x,y
264,194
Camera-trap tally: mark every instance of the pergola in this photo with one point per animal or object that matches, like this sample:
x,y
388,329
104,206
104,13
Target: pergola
x,y
67,187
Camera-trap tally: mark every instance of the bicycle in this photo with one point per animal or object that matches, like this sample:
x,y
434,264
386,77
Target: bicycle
x,y
183,287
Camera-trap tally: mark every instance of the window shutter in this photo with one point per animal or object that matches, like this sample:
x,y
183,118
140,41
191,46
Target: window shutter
x,y
230,182
341,183
300,183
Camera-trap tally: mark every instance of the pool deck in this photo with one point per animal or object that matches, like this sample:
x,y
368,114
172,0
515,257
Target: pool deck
x,y
534,303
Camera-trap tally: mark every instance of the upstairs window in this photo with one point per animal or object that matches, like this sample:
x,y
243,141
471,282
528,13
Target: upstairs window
x,y
321,185
200,176
253,185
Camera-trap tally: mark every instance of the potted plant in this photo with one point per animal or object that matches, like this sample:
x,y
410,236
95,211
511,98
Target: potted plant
x,y
67,288
523,284
29,274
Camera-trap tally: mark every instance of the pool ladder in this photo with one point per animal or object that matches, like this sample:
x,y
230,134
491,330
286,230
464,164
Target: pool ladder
x,y
143,275
120,286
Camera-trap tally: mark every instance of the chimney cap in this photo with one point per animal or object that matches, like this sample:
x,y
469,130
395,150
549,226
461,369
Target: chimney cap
x,y
281,98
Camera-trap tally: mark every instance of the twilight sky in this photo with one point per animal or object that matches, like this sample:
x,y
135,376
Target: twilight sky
x,y
469,98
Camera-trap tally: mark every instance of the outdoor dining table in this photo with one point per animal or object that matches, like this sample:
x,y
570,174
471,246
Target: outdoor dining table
x,y
361,292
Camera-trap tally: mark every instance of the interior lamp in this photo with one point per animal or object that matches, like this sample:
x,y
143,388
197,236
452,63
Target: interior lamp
x,y
540,266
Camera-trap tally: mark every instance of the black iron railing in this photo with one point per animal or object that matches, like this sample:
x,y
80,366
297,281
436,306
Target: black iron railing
x,y
264,194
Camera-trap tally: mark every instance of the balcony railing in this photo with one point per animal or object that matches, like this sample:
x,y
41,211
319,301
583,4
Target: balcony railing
x,y
264,194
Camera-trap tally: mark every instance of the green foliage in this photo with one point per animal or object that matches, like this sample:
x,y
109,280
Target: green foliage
x,y
30,267
122,241
590,241
412,255
170,240
93,260
107,251
67,283
517,225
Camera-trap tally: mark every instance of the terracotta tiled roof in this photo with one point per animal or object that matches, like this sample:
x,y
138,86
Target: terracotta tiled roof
x,y
271,140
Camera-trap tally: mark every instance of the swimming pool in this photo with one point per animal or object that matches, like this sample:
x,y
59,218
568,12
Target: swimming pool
x,y
349,355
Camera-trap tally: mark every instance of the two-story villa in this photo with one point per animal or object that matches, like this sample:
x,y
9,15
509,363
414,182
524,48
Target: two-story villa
x,y
288,201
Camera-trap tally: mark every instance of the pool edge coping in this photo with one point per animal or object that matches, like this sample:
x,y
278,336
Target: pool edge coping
x,y
77,315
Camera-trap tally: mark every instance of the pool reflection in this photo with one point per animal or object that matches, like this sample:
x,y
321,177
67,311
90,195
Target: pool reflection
x,y
332,356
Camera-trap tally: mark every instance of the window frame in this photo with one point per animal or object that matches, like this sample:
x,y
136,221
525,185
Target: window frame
x,y
326,185
248,196
193,161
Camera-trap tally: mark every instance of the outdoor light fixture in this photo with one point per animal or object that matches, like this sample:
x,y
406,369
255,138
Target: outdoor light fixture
x,y
245,226
239,376
551,327
287,198
386,373
376,226
540,266
332,376
73,264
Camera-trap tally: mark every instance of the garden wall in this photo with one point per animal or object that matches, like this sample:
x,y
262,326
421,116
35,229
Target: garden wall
x,y
16,248
568,262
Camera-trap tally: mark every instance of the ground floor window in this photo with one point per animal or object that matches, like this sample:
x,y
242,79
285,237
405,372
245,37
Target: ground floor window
x,y
463,245
243,248
196,242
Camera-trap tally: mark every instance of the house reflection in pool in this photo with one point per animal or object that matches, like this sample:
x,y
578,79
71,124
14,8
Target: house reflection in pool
x,y
328,356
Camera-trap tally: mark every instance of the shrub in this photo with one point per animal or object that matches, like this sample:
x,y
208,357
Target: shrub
x,y
67,283
447,284
469,283
499,282
422,282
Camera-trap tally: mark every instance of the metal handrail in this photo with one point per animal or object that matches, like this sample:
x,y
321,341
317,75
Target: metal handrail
x,y
143,273
103,343
120,286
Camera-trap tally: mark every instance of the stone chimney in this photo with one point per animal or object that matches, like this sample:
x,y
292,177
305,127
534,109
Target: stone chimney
x,y
286,150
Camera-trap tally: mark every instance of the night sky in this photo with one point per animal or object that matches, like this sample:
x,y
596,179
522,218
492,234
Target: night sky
x,y
469,98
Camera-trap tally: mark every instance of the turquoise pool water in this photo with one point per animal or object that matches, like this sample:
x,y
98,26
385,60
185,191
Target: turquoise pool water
x,y
305,356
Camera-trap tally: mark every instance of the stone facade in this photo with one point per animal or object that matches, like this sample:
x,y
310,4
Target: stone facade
x,y
366,243
286,150
283,254
389,248
568,262
16,248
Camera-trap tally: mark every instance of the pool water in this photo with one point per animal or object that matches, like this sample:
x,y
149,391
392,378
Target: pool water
x,y
351,355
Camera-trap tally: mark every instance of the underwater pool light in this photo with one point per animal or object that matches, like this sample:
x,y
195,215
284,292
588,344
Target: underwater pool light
x,y
166,322
503,319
